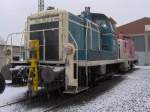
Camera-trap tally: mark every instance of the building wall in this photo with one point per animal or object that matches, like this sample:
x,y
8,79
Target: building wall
x,y
136,29
3,57
139,43
143,57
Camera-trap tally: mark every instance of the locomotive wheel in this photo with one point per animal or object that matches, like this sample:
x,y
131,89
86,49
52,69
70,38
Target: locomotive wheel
x,y
2,84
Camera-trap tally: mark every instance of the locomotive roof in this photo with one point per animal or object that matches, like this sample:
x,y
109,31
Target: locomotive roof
x,y
99,16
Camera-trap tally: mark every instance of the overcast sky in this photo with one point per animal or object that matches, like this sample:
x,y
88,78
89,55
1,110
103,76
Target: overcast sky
x,y
13,13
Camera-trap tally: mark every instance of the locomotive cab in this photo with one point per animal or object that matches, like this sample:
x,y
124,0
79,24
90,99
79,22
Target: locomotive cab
x,y
56,55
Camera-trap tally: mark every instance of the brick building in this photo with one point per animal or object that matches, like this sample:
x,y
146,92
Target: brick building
x,y
139,31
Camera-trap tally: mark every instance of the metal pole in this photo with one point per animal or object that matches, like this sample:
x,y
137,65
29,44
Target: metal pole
x,y
40,5
146,49
11,47
44,42
86,46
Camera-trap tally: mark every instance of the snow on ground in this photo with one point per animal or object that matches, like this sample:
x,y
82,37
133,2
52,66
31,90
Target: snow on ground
x,y
142,67
132,94
12,94
127,93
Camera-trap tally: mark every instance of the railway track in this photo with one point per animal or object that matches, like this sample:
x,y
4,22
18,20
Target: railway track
x,y
54,106
19,101
71,98
45,110
57,105
12,103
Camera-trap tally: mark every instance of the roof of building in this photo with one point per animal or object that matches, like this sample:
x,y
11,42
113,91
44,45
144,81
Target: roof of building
x,y
135,27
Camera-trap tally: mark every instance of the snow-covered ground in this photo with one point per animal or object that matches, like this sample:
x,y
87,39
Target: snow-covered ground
x,y
12,94
127,93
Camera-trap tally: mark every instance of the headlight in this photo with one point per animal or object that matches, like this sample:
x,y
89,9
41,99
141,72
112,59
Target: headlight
x,y
69,48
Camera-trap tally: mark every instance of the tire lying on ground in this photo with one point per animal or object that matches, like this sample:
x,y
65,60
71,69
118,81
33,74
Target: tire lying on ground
x,y
2,84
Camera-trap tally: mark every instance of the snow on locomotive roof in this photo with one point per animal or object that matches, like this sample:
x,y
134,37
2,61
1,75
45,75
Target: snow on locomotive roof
x,y
46,13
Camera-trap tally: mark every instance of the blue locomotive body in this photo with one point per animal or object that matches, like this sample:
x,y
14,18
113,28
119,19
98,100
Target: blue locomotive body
x,y
95,36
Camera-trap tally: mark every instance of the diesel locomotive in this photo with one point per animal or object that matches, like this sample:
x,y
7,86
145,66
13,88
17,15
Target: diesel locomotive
x,y
67,51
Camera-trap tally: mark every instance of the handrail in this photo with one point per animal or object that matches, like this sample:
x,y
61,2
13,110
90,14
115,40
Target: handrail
x,y
10,36
89,27
86,68
76,45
